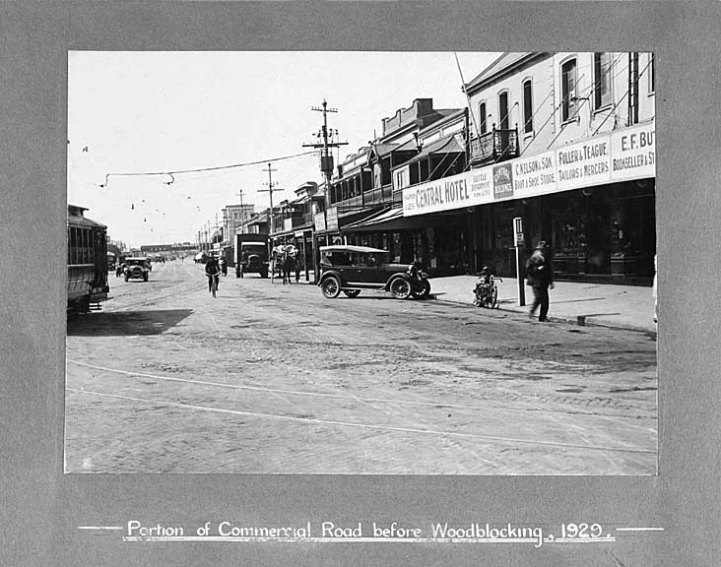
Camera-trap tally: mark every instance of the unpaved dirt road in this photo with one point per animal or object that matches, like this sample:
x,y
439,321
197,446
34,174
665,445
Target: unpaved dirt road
x,y
268,378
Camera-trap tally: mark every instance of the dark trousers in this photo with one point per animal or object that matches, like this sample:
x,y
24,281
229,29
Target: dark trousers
x,y
540,298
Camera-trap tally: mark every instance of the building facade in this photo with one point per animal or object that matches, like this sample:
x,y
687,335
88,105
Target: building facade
x,y
234,216
574,160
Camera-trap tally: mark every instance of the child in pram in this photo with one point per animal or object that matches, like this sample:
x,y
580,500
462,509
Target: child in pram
x,y
485,291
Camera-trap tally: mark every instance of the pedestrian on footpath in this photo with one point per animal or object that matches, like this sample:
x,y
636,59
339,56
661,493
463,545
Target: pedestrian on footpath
x,y
539,275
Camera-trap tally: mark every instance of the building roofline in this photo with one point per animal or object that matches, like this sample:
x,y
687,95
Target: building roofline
x,y
501,68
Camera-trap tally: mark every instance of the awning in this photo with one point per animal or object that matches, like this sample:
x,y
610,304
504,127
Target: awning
x,y
348,218
445,146
390,219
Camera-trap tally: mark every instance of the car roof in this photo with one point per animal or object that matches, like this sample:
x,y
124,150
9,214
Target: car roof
x,y
339,248
136,258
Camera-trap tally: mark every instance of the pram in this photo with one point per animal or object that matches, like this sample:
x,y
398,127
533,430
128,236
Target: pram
x,y
486,290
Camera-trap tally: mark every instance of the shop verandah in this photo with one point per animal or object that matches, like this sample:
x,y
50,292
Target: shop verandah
x,y
604,234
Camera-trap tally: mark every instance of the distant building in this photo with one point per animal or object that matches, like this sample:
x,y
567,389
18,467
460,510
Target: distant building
x,y
234,216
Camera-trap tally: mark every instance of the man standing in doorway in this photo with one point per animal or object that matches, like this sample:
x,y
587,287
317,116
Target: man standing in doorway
x,y
539,275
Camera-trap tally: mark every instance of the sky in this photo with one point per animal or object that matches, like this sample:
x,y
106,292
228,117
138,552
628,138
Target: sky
x,y
133,117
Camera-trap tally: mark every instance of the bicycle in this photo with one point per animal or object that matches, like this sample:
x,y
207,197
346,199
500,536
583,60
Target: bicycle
x,y
213,283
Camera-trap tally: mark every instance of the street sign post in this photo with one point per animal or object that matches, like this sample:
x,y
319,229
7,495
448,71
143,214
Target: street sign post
x,y
518,243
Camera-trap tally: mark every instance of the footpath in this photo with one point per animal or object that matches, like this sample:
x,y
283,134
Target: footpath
x,y
578,303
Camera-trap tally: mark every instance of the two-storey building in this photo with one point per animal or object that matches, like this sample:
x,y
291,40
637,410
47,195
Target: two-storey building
x,y
565,142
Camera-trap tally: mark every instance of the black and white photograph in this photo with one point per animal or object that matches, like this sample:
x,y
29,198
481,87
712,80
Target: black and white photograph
x,y
359,283
361,263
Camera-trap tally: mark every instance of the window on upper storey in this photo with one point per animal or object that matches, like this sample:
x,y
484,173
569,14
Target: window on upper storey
x,y
602,83
568,90
484,120
527,107
503,111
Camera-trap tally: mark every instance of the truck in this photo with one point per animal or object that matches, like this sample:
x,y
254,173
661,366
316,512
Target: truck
x,y
251,254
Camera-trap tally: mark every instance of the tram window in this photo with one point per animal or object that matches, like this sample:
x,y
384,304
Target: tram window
x,y
73,245
84,246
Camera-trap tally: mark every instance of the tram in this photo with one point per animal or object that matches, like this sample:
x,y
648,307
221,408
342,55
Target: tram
x,y
87,261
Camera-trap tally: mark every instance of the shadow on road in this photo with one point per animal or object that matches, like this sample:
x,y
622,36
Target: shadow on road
x,y
125,323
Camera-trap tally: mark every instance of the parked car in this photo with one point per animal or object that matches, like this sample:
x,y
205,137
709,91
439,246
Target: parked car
x,y
350,269
137,267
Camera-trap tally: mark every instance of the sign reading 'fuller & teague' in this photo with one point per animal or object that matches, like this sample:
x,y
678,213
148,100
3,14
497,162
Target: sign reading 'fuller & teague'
x,y
622,155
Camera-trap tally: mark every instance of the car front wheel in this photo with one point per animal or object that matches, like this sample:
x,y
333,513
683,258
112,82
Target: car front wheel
x,y
400,288
331,287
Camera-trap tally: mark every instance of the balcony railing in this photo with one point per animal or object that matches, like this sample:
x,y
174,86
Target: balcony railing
x,y
378,196
497,145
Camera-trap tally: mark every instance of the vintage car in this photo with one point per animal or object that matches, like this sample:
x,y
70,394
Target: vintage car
x,y
137,267
349,269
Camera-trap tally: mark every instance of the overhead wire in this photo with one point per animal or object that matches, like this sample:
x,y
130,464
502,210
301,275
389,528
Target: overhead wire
x,y
174,172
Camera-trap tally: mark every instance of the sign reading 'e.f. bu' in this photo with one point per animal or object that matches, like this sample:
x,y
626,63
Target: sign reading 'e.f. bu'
x,y
502,182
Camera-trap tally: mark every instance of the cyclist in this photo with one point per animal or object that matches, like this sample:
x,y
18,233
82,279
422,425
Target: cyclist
x,y
212,271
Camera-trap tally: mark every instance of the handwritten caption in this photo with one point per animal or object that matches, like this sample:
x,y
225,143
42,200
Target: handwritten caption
x,y
371,532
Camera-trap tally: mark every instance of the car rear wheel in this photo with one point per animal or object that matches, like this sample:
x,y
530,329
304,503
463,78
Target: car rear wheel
x,y
400,288
331,287
351,292
424,290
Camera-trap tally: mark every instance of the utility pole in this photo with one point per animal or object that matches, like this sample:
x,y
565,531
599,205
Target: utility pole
x,y
326,167
326,159
269,190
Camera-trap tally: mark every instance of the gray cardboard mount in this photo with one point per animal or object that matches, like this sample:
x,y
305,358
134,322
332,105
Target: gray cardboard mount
x,y
41,508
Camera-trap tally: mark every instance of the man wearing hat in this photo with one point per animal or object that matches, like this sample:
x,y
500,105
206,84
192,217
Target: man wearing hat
x,y
539,275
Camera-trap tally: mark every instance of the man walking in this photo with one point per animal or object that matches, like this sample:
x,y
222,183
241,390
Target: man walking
x,y
539,274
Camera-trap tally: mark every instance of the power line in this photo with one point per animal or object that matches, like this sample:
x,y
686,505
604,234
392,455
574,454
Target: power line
x,y
198,170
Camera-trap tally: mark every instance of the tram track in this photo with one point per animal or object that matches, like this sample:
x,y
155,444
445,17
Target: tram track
x,y
277,379
438,408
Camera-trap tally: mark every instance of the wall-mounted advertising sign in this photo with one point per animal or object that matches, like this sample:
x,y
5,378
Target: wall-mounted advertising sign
x,y
481,185
503,181
332,219
319,221
634,153
441,195
534,175
584,164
